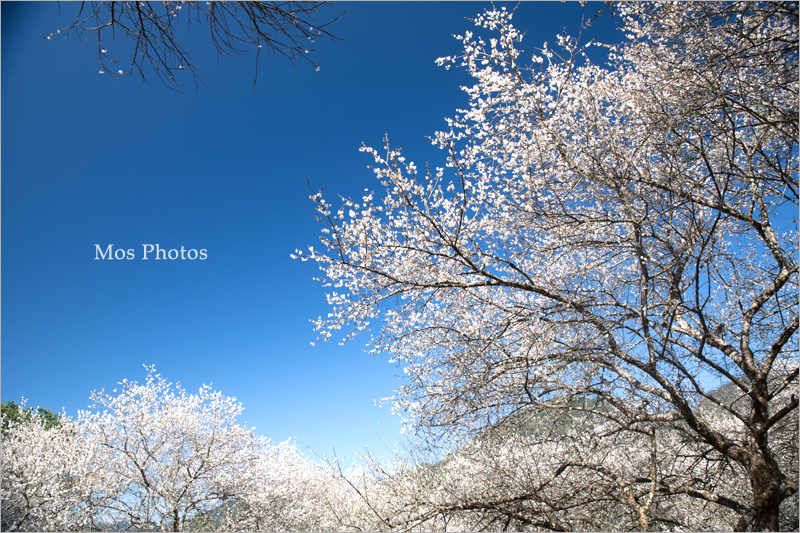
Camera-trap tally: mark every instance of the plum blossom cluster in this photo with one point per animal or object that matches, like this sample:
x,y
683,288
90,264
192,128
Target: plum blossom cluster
x,y
153,457
621,231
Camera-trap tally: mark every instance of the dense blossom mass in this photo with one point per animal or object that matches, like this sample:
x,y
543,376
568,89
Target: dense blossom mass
x,y
156,458
620,233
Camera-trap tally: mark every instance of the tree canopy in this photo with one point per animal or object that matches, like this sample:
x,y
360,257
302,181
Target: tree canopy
x,y
154,457
624,233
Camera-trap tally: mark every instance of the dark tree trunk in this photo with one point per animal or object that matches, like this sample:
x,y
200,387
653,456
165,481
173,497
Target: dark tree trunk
x,y
765,480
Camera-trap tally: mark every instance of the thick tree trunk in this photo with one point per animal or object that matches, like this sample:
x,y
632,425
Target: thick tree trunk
x,y
767,518
765,474
765,480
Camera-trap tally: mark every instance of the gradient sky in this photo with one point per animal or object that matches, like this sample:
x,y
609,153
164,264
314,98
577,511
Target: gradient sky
x,y
88,160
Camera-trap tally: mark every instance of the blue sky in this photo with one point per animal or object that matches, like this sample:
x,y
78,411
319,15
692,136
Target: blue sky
x,y
88,160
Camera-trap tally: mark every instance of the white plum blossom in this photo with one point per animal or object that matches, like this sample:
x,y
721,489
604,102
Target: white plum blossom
x,y
621,232
154,457
51,477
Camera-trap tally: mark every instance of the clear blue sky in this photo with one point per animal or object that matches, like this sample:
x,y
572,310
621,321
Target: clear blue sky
x,y
88,160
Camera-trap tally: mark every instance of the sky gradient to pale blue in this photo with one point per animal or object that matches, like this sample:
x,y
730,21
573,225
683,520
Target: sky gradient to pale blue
x,y
88,160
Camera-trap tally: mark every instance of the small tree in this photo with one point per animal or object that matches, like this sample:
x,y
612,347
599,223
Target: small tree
x,y
624,235
174,457
51,476
152,30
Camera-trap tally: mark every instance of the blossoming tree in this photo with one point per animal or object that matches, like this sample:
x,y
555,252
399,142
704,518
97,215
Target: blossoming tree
x,y
50,476
156,458
173,456
621,234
